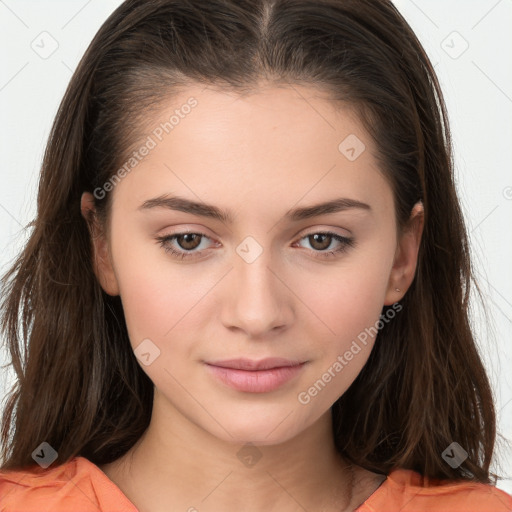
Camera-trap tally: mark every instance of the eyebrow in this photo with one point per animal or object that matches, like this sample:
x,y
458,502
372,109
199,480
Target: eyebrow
x,y
210,211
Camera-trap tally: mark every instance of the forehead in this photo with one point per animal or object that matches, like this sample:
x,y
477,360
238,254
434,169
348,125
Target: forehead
x,y
283,116
282,143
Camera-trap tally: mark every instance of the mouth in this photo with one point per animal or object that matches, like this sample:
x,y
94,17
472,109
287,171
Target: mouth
x,y
253,376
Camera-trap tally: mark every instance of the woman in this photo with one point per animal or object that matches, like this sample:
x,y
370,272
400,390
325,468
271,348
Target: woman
x,y
247,285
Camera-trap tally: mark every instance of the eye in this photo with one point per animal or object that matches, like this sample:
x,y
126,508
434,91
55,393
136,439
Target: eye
x,y
321,241
188,242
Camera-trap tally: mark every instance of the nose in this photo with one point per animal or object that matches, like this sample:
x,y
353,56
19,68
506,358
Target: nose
x,y
255,298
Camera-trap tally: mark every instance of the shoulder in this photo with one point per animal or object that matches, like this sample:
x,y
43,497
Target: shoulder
x,y
77,485
408,491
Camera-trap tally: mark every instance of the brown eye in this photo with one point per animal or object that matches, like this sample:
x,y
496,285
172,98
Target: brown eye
x,y
321,243
318,241
183,245
189,241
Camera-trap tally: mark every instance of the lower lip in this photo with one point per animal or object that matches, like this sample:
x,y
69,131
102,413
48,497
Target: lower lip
x,y
258,381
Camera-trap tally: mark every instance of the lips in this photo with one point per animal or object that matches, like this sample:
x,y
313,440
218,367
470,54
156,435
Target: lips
x,y
252,365
252,376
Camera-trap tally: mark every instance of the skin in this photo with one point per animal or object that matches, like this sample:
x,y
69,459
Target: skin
x,y
257,156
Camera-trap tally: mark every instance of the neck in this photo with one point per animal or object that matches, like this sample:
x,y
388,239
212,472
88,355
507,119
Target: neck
x,y
177,465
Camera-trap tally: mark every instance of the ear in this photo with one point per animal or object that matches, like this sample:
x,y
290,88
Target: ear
x,y
406,257
102,262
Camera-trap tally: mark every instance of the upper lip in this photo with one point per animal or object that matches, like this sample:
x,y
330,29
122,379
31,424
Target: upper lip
x,y
251,364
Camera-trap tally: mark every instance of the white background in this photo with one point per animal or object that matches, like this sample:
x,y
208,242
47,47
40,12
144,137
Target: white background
x,y
477,83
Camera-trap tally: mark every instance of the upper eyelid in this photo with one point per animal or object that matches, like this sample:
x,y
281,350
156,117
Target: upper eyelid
x,y
347,234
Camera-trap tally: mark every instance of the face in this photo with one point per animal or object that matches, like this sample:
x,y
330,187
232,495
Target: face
x,y
253,272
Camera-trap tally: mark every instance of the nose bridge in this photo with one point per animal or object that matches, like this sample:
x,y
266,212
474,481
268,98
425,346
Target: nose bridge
x,y
255,278
256,300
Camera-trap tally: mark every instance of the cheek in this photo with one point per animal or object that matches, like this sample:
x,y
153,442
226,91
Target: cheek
x,y
349,298
349,304
146,305
153,299
162,301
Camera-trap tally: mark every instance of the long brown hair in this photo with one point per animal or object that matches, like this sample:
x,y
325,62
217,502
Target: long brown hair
x,y
80,387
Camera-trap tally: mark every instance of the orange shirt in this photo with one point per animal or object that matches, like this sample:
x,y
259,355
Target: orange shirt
x,y
81,486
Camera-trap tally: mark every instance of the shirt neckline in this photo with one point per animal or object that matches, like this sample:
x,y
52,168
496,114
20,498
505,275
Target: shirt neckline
x,y
360,508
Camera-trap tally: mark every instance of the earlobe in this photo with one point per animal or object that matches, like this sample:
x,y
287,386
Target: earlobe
x,y
102,262
406,257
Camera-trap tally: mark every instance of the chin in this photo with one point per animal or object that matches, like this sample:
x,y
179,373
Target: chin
x,y
259,428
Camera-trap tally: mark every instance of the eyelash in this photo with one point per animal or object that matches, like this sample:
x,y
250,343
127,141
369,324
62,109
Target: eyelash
x,y
346,243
